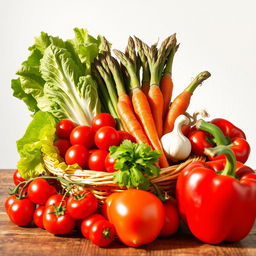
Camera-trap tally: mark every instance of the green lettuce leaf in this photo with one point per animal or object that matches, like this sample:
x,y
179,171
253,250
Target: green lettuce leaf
x,y
40,134
67,93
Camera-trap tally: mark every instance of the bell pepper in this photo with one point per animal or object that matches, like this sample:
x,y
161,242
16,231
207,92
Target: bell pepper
x,y
219,132
217,207
240,169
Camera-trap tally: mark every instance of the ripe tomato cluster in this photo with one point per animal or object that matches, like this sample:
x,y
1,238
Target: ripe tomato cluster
x,y
88,146
58,214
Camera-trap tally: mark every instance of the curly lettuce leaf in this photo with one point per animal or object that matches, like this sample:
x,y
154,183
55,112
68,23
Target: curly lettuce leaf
x,y
40,134
67,93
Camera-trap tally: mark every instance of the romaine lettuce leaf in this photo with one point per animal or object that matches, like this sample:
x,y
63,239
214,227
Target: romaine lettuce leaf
x,y
39,134
67,93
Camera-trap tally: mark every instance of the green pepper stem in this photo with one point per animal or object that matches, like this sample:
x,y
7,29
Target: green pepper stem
x,y
214,130
230,165
197,81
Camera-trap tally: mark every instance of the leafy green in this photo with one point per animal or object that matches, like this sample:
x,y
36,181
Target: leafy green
x,y
40,134
67,93
135,164
56,78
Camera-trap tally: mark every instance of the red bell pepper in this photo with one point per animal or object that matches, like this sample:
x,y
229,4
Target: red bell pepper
x,y
240,169
222,132
217,207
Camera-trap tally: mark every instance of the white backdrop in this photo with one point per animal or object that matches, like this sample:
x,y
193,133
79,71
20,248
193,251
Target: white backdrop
x,y
218,36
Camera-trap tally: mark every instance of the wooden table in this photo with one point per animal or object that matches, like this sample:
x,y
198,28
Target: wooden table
x,y
23,241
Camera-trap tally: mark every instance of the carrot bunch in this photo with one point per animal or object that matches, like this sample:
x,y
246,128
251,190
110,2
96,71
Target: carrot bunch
x,y
137,89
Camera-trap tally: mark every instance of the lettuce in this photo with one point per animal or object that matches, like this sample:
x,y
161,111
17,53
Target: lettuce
x,y
38,137
56,78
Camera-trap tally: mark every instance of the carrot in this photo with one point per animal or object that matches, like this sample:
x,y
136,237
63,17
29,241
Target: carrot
x,y
166,84
155,97
181,102
142,108
124,105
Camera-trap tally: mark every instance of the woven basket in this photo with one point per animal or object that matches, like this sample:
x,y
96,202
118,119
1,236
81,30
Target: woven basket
x,y
102,185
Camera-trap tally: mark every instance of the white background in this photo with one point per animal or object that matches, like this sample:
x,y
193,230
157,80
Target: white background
x,y
219,36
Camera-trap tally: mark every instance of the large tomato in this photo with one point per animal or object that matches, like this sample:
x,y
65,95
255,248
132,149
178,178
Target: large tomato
x,y
21,212
137,215
39,191
58,223
171,219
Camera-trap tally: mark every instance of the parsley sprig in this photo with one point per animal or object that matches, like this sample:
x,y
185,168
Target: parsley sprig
x,y
135,164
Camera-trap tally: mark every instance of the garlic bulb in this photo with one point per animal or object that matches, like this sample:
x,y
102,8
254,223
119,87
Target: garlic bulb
x,y
175,144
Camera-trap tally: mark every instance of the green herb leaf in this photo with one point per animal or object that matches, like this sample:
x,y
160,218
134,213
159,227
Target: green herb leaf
x,y
135,164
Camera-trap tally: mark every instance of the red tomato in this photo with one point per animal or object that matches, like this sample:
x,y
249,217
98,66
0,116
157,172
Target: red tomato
x,y
62,145
39,191
64,128
105,137
125,136
9,201
21,212
82,205
58,223
96,160
55,200
82,135
38,216
171,219
137,215
106,205
17,178
88,222
110,163
102,233
77,154
101,120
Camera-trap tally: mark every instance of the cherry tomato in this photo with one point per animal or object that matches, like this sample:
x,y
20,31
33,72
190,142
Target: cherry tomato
x,y
58,223
62,145
96,160
38,216
64,128
101,120
9,201
17,178
39,191
81,205
77,154
106,205
137,215
109,164
88,222
102,233
82,135
123,135
171,219
105,137
55,200
21,212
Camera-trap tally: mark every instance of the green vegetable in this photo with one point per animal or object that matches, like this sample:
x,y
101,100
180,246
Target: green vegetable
x,y
38,137
56,77
135,164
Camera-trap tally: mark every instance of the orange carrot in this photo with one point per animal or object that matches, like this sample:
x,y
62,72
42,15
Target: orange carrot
x,y
181,102
142,108
124,105
143,112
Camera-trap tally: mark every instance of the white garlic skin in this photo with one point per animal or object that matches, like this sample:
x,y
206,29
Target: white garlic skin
x,y
177,146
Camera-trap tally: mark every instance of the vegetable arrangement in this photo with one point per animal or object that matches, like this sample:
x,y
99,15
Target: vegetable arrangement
x,y
114,117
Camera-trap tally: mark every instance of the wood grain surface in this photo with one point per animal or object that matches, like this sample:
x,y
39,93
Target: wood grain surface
x,y
24,241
